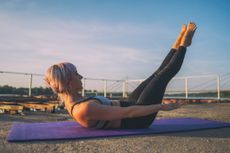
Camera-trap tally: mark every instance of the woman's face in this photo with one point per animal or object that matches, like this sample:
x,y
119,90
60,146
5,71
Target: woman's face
x,y
76,82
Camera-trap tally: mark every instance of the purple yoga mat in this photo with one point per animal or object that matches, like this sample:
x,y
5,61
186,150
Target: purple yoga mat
x,y
72,130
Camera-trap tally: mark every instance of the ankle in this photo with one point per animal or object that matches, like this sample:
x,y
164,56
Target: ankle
x,y
175,46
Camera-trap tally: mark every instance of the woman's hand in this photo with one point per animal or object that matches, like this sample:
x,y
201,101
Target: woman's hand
x,y
170,106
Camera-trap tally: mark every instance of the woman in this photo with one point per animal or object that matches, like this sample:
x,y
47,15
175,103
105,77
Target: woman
x,y
142,105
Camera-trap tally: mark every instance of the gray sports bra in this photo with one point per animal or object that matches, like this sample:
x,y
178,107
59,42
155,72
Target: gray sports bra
x,y
101,124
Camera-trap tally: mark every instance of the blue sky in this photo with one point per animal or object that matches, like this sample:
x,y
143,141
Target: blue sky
x,y
112,39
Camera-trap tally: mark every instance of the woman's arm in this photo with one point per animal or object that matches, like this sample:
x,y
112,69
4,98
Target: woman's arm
x,y
95,111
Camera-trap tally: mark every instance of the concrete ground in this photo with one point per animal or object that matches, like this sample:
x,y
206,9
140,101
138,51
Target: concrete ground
x,y
205,141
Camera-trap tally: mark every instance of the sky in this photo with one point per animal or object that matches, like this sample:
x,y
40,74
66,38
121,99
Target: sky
x,y
113,39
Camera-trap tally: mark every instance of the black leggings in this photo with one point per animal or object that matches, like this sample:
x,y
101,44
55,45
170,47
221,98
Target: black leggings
x,y
151,91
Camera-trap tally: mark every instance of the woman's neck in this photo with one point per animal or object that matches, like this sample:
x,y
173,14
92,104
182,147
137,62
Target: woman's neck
x,y
70,99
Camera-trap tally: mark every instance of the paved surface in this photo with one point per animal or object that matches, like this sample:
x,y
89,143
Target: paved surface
x,y
205,141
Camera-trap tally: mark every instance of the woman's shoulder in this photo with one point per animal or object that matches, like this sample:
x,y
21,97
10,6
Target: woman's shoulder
x,y
88,101
99,99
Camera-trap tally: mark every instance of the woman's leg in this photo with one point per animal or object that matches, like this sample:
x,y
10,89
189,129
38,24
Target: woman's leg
x,y
136,93
158,83
153,92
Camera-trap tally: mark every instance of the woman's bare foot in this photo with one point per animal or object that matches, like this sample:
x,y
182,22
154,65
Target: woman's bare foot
x,y
176,45
187,37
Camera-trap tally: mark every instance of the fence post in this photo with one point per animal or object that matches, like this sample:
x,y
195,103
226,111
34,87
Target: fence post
x,y
105,88
30,84
218,86
186,87
124,89
83,88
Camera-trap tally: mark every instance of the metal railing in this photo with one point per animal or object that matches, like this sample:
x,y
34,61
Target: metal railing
x,y
179,87
31,75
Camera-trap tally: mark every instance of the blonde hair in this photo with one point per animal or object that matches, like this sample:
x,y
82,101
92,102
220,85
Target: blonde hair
x,y
58,77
